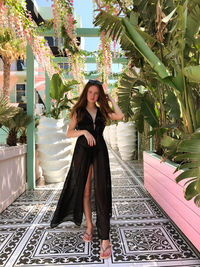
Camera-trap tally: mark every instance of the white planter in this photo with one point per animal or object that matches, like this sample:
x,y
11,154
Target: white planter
x,y
73,142
126,138
113,136
54,149
107,134
12,174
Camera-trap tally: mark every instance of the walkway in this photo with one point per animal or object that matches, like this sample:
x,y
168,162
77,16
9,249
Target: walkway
x,y
141,234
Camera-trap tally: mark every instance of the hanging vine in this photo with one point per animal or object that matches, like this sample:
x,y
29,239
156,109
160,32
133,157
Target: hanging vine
x,y
15,17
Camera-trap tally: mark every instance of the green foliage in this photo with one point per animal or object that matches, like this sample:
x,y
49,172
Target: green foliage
x,y
189,152
17,124
169,68
192,73
6,111
58,92
126,90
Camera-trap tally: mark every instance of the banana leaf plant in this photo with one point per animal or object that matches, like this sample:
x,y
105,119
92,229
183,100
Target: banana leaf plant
x,y
59,94
174,62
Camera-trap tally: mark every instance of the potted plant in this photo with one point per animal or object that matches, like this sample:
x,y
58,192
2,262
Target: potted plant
x,y
53,145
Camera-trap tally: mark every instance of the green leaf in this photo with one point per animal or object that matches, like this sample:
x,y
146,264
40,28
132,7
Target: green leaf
x,y
6,111
185,156
143,48
148,111
190,165
110,24
174,109
193,22
197,186
139,122
197,201
192,146
198,116
134,18
56,87
192,73
168,141
125,91
187,174
190,191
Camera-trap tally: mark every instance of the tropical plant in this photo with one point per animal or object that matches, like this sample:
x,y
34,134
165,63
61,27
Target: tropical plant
x,y
15,125
188,152
6,111
171,49
59,94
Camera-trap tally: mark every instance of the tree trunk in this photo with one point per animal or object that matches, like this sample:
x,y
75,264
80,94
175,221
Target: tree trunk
x,y
6,78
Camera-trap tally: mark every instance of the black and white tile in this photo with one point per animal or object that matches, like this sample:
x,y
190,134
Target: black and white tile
x,y
134,209
155,242
62,246
24,213
10,239
141,233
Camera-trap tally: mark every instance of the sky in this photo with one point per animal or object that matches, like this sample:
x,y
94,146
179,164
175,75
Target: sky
x,y
84,8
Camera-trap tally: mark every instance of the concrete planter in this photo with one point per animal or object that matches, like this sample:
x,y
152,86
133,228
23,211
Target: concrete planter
x,y
126,138
159,180
106,134
54,149
113,136
12,174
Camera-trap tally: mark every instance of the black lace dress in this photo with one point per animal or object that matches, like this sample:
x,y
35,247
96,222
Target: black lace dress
x,y
70,204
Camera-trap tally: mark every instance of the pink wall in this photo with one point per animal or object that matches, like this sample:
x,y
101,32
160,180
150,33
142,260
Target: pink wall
x,y
159,180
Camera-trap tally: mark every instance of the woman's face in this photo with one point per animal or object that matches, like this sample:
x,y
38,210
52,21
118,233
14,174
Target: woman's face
x,y
93,94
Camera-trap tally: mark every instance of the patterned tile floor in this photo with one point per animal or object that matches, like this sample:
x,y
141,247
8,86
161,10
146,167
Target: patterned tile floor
x,y
141,233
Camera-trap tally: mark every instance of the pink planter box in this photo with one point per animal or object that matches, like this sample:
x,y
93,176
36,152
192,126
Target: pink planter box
x,y
12,174
159,181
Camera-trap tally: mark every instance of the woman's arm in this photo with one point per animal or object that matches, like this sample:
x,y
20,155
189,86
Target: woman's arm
x,y
117,114
71,132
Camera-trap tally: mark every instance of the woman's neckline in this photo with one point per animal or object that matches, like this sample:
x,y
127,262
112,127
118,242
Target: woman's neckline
x,y
93,120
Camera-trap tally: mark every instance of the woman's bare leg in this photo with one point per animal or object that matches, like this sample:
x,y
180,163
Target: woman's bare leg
x,y
87,202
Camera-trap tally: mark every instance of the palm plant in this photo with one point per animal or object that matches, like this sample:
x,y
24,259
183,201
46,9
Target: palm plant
x,y
173,55
16,124
6,111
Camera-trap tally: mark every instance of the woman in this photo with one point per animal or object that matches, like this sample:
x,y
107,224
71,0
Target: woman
x,y
90,160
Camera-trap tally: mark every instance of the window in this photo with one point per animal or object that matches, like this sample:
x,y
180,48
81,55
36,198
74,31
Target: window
x,y
50,40
20,65
64,66
20,93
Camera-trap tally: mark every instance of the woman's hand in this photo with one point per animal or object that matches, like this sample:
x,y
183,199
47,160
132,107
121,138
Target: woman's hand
x,y
109,97
117,114
90,138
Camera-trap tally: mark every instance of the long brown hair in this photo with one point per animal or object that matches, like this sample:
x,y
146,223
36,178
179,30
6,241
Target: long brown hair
x,y
80,106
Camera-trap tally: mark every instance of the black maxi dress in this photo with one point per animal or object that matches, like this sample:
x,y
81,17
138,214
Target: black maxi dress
x,y
70,204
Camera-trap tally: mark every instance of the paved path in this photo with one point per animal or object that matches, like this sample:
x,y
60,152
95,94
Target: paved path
x,y
141,234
